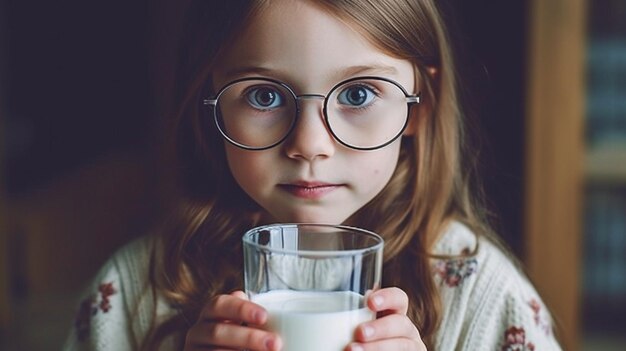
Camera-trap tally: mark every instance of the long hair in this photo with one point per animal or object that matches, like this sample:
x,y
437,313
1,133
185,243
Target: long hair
x,y
200,254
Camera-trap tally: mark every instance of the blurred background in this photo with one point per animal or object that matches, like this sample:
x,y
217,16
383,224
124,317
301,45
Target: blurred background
x,y
84,90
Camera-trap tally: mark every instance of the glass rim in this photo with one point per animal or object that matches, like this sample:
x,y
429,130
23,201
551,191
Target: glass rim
x,y
378,246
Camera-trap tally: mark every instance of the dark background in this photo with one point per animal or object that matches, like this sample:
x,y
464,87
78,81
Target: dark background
x,y
76,85
490,40
79,82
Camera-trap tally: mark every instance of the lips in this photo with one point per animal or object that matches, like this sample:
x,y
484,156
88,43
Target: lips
x,y
310,190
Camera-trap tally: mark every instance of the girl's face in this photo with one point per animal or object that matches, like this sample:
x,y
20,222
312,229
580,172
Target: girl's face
x,y
309,177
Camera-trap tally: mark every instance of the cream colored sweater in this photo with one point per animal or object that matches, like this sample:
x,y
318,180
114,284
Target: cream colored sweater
x,y
487,303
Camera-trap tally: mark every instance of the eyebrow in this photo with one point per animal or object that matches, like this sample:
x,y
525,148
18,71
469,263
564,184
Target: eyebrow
x,y
342,73
366,69
249,70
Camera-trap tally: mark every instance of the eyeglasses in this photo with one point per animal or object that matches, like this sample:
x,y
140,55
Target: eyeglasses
x,y
363,113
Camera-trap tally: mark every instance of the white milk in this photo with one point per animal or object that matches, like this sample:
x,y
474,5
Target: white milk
x,y
314,321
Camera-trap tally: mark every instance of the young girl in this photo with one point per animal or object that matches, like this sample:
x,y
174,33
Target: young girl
x,y
320,111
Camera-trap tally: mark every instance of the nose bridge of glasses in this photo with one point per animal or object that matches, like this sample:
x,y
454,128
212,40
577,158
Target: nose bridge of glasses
x,y
316,110
303,97
310,97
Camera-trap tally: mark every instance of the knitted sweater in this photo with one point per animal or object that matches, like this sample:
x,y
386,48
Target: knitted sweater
x,y
487,303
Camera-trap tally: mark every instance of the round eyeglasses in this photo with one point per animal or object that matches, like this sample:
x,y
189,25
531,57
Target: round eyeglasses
x,y
363,113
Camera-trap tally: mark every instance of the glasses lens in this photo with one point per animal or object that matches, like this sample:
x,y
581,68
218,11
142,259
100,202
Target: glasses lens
x,y
367,113
255,113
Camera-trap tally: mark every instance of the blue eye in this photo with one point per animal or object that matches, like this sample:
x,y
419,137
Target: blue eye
x,y
264,98
356,96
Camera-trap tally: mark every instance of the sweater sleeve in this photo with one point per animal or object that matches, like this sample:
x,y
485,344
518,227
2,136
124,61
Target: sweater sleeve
x,y
506,313
487,302
101,322
106,317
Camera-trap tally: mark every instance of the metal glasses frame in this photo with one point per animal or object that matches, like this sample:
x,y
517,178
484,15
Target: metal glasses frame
x,y
410,100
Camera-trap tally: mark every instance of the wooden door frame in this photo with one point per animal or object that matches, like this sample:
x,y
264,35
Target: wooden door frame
x,y
554,158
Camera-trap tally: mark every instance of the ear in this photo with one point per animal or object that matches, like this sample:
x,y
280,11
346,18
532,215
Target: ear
x,y
412,123
432,71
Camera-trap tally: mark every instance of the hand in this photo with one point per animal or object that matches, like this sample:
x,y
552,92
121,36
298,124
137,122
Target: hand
x,y
394,330
219,326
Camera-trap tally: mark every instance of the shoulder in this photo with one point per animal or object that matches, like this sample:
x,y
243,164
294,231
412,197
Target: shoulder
x,y
471,261
487,298
108,315
455,239
126,271
132,260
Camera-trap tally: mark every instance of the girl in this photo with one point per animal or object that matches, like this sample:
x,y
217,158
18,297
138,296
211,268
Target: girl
x,y
317,111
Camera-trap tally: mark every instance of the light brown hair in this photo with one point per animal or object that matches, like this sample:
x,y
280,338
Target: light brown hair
x,y
200,253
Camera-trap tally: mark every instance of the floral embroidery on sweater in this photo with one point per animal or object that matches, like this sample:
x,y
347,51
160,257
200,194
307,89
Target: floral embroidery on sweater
x,y
89,308
540,316
515,340
454,271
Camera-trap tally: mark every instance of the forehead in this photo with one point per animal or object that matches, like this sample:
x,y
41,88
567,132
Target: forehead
x,y
302,44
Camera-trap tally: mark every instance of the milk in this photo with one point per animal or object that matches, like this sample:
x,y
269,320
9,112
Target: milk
x,y
314,321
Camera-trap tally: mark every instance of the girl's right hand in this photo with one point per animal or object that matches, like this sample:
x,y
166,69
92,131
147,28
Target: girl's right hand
x,y
220,326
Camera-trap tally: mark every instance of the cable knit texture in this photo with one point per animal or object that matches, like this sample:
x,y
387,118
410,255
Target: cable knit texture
x,y
487,303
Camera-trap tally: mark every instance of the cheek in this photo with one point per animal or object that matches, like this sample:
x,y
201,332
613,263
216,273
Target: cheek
x,y
386,168
246,167
378,167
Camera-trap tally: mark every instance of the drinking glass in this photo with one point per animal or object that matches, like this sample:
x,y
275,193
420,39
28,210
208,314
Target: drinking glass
x,y
313,279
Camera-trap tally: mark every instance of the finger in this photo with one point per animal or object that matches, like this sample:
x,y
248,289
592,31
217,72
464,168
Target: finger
x,y
232,336
239,294
228,307
393,300
389,327
399,344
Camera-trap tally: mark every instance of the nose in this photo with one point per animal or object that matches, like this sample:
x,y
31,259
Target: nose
x,y
310,139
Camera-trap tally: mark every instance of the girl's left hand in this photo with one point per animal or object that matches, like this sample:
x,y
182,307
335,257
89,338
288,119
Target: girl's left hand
x,y
394,330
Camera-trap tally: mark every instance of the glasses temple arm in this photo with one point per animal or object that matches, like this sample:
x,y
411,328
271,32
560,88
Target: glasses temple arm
x,y
415,99
209,102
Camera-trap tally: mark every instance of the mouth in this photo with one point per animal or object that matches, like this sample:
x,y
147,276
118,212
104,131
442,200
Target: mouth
x,y
310,190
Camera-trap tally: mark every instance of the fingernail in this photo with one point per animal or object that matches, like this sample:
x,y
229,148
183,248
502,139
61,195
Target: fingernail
x,y
273,343
356,347
378,301
270,343
259,316
367,331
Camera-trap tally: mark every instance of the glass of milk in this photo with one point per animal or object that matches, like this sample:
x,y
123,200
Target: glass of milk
x,y
313,280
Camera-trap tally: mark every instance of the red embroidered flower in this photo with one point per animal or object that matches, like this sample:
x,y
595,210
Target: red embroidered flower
x,y
106,290
454,271
515,340
82,323
89,308
541,319
535,306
